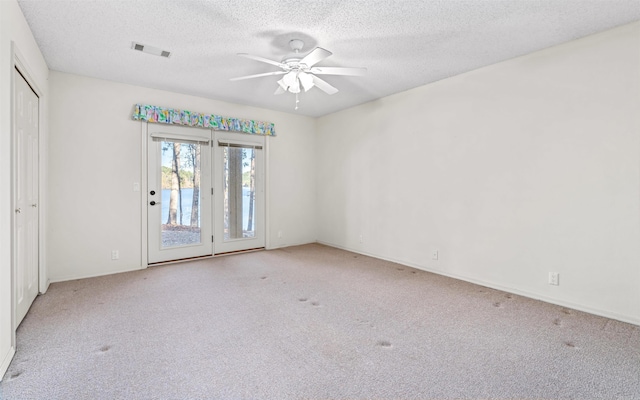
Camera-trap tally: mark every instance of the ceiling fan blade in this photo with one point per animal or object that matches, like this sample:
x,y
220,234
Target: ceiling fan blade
x,y
318,54
279,90
351,71
324,85
258,75
261,59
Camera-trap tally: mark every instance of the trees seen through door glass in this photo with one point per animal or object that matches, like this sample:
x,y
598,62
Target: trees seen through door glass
x,y
239,185
180,216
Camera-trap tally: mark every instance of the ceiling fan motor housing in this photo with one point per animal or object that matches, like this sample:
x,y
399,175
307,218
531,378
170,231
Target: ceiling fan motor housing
x,y
293,60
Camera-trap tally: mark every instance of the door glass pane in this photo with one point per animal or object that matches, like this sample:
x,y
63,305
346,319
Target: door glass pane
x,y
239,186
180,217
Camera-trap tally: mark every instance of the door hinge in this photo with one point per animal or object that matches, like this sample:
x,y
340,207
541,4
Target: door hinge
x,y
212,191
211,238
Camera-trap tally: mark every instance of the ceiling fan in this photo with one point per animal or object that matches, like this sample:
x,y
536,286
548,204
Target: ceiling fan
x,y
300,72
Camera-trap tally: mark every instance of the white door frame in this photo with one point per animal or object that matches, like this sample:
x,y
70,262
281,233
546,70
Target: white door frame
x,y
144,261
19,62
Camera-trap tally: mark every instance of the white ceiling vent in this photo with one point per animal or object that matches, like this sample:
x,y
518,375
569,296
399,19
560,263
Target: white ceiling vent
x,y
150,50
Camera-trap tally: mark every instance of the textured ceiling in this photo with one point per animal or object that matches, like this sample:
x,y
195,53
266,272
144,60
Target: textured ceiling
x,y
403,44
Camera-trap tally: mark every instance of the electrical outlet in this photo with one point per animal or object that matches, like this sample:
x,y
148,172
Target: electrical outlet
x,y
115,254
361,239
554,278
279,234
434,255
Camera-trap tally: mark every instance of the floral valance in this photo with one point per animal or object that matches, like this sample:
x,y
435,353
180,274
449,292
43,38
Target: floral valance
x,y
147,113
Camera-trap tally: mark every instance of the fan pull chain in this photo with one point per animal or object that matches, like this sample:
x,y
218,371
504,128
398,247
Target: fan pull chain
x,y
297,101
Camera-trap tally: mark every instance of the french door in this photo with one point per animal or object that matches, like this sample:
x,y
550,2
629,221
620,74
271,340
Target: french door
x,y
179,193
239,192
205,192
25,189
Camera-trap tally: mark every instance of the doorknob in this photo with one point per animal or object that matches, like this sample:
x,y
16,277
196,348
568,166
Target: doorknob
x,y
18,210
152,192
153,203
34,205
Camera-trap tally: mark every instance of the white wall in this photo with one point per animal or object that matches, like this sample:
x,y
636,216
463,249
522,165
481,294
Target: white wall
x,y
95,157
14,29
521,168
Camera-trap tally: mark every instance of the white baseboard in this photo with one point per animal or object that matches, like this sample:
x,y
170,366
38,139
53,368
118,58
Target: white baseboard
x,y
65,278
283,245
524,293
6,362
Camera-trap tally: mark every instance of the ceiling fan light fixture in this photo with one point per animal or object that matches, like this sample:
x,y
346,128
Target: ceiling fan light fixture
x,y
295,88
291,82
306,80
290,78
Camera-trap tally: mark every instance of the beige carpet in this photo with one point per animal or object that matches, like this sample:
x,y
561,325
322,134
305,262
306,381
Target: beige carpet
x,y
311,322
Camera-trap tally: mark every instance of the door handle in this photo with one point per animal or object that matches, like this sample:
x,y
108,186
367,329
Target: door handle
x,y
34,205
18,210
153,203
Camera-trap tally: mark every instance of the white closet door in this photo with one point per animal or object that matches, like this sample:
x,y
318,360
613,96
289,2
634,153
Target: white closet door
x,y
25,166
